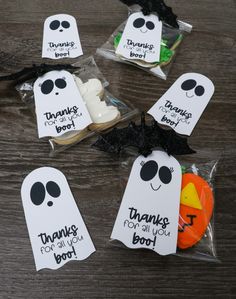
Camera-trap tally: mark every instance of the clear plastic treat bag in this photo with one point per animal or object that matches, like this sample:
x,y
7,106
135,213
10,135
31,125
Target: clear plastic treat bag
x,y
196,235
172,34
104,109
167,196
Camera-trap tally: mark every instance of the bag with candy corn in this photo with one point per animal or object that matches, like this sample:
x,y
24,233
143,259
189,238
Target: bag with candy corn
x,y
196,215
195,223
166,200
149,39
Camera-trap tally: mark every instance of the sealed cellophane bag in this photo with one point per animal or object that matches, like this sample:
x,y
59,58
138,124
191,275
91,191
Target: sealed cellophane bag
x,y
196,234
169,43
103,108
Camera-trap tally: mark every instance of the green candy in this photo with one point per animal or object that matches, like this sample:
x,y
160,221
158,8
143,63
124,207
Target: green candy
x,y
165,53
117,39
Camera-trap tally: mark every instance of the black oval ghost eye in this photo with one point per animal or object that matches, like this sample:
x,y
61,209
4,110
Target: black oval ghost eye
x,y
65,24
165,175
37,193
149,170
150,25
53,189
188,84
138,23
199,90
60,83
47,86
54,25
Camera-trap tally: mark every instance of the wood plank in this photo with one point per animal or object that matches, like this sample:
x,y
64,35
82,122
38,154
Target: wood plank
x,y
95,177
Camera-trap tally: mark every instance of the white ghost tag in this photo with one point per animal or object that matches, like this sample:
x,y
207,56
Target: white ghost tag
x,y
149,211
141,38
61,37
59,105
56,229
183,103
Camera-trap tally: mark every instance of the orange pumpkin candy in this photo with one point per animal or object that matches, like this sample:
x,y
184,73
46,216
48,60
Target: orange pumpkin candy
x,y
196,207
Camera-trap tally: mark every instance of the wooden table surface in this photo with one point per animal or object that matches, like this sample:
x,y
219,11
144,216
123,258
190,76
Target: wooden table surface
x,y
113,272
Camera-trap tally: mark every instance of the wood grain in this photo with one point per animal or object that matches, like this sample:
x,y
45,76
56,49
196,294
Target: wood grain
x,y
93,176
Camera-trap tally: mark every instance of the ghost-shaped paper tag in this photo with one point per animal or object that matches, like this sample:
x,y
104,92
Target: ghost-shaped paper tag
x,y
61,37
149,211
141,38
59,105
183,103
56,229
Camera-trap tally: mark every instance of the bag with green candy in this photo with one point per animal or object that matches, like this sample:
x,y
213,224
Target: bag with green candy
x,y
148,39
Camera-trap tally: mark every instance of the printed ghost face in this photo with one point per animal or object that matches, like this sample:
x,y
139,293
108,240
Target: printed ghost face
x,y
59,25
196,207
54,85
141,39
38,193
48,86
59,105
148,215
150,171
183,103
46,191
56,229
143,25
191,88
61,37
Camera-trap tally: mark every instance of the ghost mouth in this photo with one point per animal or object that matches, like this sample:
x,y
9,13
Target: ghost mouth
x,y
143,31
61,30
155,189
189,96
182,229
50,203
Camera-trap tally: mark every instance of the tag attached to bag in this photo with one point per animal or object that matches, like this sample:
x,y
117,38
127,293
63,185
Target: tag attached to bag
x,y
183,103
149,211
59,105
141,39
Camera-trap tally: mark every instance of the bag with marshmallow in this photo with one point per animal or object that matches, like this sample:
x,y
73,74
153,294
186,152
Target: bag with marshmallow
x,y
148,39
72,103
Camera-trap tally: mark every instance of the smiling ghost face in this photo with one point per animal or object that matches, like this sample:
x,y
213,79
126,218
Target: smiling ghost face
x,y
195,86
143,25
191,88
153,190
155,176
141,38
142,28
182,105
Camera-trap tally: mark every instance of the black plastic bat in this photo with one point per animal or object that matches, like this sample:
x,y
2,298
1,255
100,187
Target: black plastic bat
x,y
163,11
35,71
143,137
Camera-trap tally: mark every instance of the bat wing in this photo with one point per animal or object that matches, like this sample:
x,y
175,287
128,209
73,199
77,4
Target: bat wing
x,y
144,138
